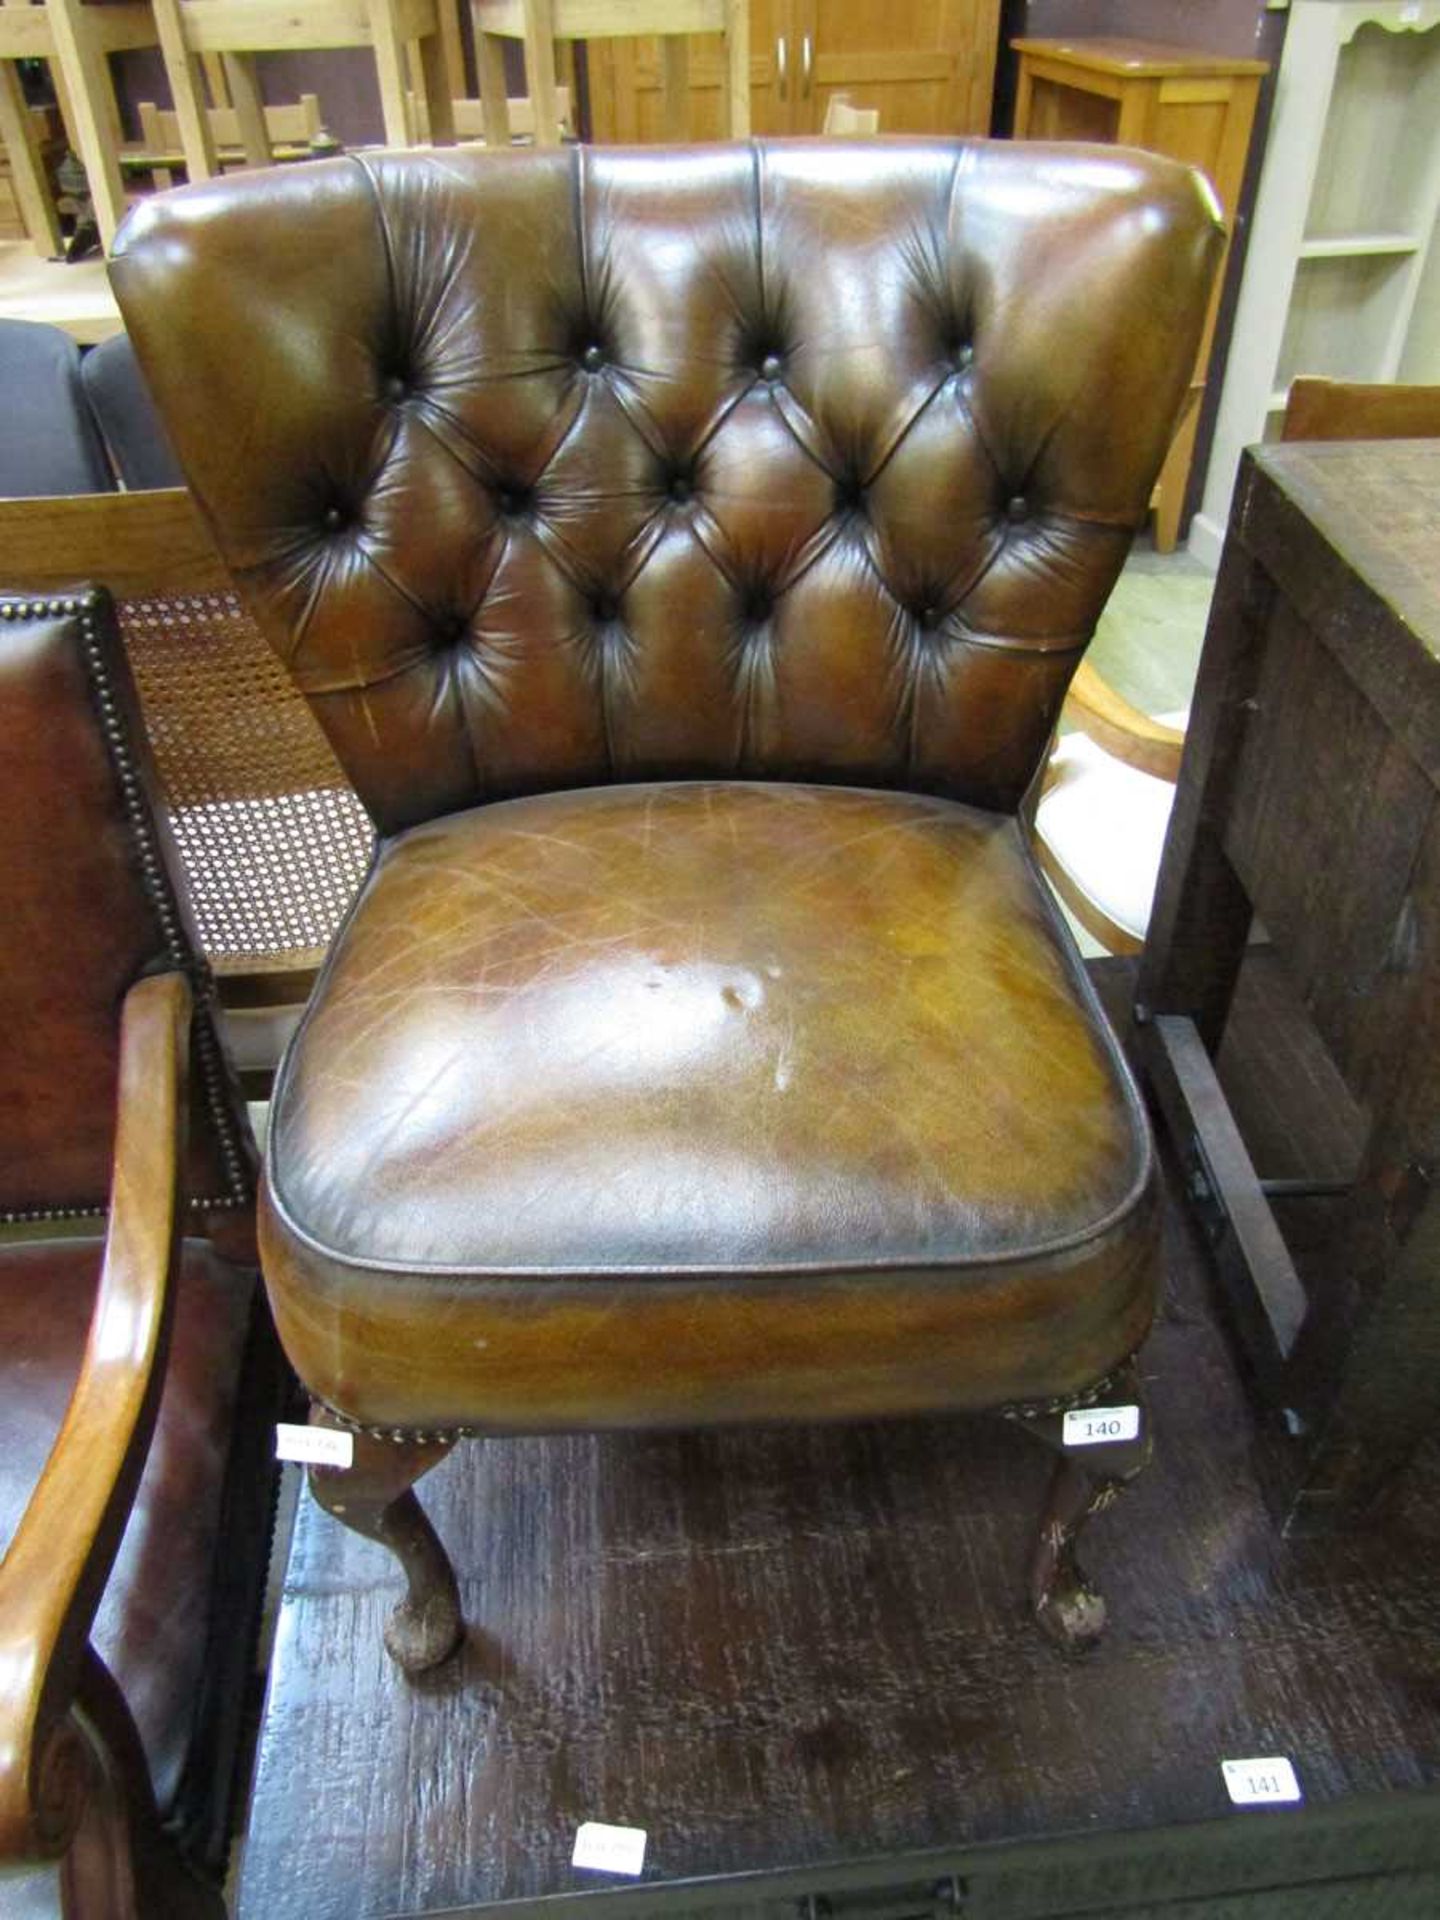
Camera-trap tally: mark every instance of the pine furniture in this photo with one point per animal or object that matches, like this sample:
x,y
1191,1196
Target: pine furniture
x,y
139,1379
405,37
76,38
1197,107
924,67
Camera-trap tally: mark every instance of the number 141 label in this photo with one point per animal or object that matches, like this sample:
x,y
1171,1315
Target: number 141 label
x,y
1260,1783
1100,1426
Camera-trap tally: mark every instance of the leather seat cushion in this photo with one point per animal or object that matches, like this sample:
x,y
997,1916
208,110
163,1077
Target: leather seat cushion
x,y
153,1619
699,1101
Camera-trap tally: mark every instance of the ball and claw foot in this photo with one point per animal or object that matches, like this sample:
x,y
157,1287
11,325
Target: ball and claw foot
x,y
1069,1610
420,1634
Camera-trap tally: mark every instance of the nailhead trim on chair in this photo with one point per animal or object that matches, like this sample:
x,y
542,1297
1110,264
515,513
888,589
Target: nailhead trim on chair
x,y
1064,1403
448,1436
156,882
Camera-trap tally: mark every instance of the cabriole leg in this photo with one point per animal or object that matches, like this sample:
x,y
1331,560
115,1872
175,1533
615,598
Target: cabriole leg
x,y
375,1497
1085,1481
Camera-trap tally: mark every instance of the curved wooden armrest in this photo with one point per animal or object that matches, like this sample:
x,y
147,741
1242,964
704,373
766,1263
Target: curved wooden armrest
x,y
55,1570
1123,730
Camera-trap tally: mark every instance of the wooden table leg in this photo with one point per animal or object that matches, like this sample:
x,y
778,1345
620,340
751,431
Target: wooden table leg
x,y
540,70
244,84
494,104
88,81
389,49
27,171
675,86
737,69
1201,916
197,137
435,84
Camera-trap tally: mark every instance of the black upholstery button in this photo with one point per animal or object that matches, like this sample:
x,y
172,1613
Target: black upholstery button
x,y
592,359
928,616
680,488
770,367
1017,508
334,519
605,609
512,501
963,354
395,388
759,603
849,494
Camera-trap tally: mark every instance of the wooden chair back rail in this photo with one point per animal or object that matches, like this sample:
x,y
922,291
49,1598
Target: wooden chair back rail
x,y
289,130
470,116
1122,729
136,543
270,833
541,23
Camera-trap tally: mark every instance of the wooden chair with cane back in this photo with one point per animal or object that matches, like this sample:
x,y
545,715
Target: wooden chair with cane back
x,y
139,1379
272,841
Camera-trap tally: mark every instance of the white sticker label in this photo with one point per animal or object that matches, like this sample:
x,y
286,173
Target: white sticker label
x,y
316,1446
609,1849
1098,1426
1260,1783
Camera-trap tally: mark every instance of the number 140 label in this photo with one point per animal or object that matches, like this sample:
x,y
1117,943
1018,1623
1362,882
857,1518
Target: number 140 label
x,y
1100,1426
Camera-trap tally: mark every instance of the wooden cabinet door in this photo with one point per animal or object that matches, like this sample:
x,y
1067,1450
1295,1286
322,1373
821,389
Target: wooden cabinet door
x,y
927,65
626,99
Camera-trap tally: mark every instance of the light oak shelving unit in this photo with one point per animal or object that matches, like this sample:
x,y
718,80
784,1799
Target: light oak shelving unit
x,y
1343,273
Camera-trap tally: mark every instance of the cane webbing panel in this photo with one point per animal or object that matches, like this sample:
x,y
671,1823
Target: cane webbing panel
x,y
273,840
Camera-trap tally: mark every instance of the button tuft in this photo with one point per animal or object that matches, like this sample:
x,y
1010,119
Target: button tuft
x,y
593,358
395,388
334,519
1017,508
770,367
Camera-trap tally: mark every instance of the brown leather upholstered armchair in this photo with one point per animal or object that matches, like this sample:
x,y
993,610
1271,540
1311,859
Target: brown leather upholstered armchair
x,y
138,1373
687,554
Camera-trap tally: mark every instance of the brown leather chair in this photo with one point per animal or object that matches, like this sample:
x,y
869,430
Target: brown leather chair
x,y
138,1374
687,554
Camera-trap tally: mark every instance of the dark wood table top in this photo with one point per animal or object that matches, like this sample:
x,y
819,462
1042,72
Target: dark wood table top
x,y
1347,529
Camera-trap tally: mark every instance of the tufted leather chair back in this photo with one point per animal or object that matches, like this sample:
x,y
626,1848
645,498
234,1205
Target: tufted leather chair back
x,y
806,460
